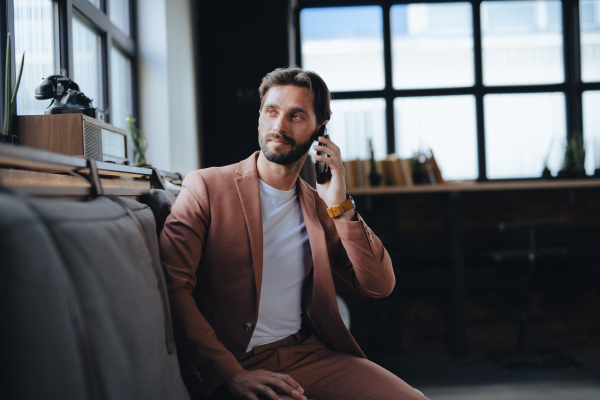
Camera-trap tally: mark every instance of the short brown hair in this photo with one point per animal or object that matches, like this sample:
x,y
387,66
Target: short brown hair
x,y
298,77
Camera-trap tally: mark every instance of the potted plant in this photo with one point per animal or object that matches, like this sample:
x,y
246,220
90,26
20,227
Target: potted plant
x,y
418,162
138,140
10,100
374,176
597,157
546,173
574,161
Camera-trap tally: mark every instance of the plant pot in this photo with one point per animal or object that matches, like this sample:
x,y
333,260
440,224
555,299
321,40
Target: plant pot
x,y
419,177
572,174
9,139
564,174
374,179
579,174
546,174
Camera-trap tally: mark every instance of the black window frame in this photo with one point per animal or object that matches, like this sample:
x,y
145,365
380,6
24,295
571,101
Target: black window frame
x,y
572,87
96,18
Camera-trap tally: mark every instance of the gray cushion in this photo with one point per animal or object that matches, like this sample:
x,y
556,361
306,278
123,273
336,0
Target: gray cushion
x,y
160,202
39,349
110,265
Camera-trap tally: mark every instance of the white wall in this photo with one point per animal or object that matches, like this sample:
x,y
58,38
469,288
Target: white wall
x,y
167,82
182,105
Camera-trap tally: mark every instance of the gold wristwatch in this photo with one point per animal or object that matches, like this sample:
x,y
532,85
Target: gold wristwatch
x,y
338,210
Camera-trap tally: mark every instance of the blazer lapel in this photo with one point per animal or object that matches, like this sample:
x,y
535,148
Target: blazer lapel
x,y
323,289
249,192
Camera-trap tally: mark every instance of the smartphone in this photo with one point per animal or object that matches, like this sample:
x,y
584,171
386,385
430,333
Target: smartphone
x,y
322,169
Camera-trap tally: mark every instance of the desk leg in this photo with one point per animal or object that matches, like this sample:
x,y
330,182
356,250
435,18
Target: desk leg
x,y
458,343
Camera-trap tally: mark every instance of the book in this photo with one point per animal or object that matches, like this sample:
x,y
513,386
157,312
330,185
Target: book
x,y
430,176
436,169
382,171
398,175
351,174
407,171
347,177
388,173
361,174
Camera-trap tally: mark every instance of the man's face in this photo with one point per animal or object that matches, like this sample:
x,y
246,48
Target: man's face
x,y
287,125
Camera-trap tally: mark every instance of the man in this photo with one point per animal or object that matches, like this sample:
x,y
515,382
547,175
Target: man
x,y
249,250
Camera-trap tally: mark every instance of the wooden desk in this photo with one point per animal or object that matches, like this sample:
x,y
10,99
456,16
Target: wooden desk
x,y
452,193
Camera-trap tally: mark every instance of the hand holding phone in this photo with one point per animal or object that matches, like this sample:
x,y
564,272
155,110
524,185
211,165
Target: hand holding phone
x,y
322,169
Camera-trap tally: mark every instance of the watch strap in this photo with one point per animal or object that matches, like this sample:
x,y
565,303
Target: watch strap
x,y
338,210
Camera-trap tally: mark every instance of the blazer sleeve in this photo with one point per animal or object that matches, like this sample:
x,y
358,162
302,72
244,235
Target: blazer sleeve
x,y
361,259
181,243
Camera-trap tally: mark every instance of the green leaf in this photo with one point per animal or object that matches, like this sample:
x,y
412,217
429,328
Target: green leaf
x,y
14,96
7,113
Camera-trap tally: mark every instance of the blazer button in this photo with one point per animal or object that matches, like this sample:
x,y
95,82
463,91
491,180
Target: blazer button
x,y
196,374
248,326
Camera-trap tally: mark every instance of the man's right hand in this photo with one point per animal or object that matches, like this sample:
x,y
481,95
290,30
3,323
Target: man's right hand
x,y
260,384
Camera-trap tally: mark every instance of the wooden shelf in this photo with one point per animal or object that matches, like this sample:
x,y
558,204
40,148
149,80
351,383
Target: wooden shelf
x,y
48,174
474,186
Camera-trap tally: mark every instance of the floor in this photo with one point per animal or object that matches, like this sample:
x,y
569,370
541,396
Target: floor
x,y
440,378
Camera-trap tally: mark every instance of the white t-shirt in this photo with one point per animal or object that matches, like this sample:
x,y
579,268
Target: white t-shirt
x,y
287,262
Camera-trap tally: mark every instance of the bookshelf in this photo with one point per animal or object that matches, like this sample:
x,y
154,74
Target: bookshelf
x,y
474,186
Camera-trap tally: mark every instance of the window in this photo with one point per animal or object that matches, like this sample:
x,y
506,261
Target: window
x,y
520,44
439,123
521,131
493,88
344,44
34,33
591,129
590,40
88,40
120,67
355,123
438,37
87,60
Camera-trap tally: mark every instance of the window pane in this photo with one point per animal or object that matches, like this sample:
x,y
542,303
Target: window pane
x,y
432,45
444,124
344,45
34,35
119,14
120,88
591,130
96,3
589,13
353,123
522,42
87,62
521,131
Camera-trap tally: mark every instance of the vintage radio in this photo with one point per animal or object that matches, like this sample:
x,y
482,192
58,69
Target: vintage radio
x,y
73,134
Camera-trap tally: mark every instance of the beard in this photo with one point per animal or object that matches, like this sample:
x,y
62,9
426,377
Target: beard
x,y
281,156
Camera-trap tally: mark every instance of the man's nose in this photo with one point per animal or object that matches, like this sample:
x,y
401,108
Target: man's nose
x,y
280,124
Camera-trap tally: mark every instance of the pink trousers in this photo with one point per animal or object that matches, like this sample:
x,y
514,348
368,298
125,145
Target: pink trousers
x,y
325,374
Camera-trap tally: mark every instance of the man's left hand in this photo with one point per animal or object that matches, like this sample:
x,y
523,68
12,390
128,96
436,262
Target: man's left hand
x,y
333,192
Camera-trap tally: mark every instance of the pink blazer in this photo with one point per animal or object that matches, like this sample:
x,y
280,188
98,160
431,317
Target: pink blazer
x,y
211,249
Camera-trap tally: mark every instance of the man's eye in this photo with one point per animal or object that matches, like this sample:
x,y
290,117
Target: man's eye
x,y
296,116
270,111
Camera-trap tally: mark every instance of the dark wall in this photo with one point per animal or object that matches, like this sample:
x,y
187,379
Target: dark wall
x,y
238,43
